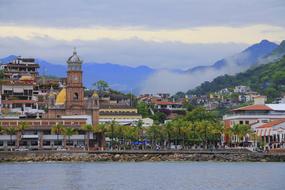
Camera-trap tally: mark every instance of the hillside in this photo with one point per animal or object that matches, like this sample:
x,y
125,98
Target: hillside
x,y
243,60
267,79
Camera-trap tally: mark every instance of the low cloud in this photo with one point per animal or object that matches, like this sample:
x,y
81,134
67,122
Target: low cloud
x,y
171,82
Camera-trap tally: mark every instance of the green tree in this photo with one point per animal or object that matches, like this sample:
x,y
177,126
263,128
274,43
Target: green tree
x,y
57,129
245,130
139,125
143,109
88,128
200,114
130,134
111,131
101,129
169,130
119,133
154,134
68,132
159,117
238,131
21,128
11,130
101,86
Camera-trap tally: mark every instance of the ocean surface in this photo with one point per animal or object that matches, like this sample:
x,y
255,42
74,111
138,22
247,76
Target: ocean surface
x,y
142,176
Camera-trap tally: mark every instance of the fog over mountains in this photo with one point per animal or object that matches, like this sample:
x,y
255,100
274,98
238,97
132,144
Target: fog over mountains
x,y
144,79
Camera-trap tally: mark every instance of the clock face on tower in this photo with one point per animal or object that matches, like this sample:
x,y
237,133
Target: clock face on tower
x,y
74,90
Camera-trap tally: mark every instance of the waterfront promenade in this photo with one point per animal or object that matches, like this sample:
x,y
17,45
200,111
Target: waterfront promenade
x,y
138,156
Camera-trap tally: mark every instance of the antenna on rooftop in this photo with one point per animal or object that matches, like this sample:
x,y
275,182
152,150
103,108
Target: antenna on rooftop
x,y
44,75
131,103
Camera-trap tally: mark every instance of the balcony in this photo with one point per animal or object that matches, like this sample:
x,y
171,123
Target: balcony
x,y
61,137
7,137
30,136
253,116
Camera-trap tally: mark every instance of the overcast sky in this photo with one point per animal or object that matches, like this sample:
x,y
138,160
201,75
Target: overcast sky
x,y
156,33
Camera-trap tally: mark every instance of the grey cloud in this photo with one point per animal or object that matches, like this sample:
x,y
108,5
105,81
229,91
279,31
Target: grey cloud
x,y
146,13
172,82
131,52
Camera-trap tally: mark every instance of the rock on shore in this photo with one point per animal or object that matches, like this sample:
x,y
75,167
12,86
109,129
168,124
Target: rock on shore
x,y
44,156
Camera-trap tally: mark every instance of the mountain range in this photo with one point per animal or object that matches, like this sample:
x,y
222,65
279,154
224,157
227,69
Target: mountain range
x,y
267,77
120,77
126,78
245,59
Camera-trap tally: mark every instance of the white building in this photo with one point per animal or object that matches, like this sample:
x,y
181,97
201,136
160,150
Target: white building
x,y
241,89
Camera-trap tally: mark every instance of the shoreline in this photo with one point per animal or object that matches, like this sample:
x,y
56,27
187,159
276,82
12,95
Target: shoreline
x,y
139,156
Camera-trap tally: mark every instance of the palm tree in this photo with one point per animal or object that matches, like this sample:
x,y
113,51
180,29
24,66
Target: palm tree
x,y
235,131
131,134
11,130
199,132
186,131
228,134
69,131
21,128
216,131
178,124
57,129
168,128
154,133
244,131
111,130
119,132
88,128
100,130
139,126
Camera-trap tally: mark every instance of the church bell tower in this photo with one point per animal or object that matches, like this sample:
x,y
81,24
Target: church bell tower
x,y
74,86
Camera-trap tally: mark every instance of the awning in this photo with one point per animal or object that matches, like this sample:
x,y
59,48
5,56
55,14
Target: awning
x,y
18,89
264,132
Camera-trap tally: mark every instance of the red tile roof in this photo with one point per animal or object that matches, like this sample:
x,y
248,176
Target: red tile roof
x,y
165,103
271,124
254,108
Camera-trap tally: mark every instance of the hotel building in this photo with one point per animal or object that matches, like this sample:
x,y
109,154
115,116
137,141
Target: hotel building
x,y
266,120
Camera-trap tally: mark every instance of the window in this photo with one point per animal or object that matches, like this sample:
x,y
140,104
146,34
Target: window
x,y
75,96
58,143
47,132
11,143
69,143
46,143
241,122
23,143
247,122
34,143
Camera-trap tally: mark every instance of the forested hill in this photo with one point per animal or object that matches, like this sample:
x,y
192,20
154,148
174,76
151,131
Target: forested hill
x,y
267,79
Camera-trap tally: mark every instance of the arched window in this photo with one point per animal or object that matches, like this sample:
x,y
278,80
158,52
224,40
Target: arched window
x,y
75,96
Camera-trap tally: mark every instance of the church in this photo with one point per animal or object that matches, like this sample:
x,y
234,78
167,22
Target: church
x,y
70,101
69,106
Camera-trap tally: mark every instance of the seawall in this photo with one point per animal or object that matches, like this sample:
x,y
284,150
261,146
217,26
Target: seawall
x,y
139,156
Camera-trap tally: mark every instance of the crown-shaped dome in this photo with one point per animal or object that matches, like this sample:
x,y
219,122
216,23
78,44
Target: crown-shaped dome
x,y
74,58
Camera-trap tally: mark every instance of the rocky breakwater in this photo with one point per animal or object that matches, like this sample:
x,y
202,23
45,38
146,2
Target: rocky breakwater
x,y
133,156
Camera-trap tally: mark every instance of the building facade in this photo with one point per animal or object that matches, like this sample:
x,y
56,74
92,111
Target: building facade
x,y
70,100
